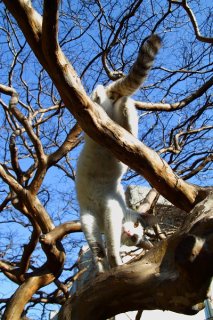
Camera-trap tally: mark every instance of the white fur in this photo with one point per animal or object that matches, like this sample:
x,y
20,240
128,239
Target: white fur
x,y
100,193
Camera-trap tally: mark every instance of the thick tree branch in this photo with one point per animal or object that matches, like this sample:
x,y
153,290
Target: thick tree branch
x,y
167,275
42,276
149,200
10,271
7,90
25,292
28,250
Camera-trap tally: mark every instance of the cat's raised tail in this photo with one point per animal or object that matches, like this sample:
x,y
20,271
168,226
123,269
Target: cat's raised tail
x,y
129,84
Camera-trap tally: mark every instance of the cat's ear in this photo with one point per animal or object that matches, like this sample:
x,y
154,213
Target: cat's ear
x,y
148,220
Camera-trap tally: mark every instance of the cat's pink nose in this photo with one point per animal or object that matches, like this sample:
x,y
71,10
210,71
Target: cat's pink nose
x,y
128,232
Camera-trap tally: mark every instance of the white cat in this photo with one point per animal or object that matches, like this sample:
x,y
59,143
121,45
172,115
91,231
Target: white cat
x,y
100,193
103,208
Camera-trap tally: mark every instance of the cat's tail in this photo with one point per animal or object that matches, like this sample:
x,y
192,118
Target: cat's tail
x,y
129,84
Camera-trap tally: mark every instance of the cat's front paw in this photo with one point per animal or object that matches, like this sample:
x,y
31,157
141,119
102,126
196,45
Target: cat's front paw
x,y
101,266
115,261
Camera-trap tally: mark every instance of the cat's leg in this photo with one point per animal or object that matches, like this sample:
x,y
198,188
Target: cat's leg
x,y
94,239
113,226
125,114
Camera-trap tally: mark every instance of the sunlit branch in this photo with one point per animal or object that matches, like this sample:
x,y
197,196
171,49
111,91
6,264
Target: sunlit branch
x,y
26,290
28,250
60,231
10,271
148,201
177,105
10,180
186,133
148,206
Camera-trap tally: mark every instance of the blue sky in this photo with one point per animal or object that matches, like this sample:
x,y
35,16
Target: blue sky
x,y
169,58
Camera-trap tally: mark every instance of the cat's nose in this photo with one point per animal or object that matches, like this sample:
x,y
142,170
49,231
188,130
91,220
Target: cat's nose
x,y
129,233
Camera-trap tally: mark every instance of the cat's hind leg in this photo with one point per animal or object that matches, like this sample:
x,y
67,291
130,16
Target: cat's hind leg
x,y
94,239
113,226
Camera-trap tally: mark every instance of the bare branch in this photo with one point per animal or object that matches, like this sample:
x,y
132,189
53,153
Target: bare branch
x,y
186,133
42,159
5,202
69,143
14,159
25,292
192,17
177,105
10,180
10,271
60,232
202,164
147,203
115,75
28,250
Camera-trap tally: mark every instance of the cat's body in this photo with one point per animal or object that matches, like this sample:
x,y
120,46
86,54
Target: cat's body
x,y
100,193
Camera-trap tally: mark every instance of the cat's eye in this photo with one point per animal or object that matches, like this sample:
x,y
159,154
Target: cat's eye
x,y
136,224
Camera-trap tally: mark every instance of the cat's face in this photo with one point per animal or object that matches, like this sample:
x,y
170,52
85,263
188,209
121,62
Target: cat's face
x,y
132,232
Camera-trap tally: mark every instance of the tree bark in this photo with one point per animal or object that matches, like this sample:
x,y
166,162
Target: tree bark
x,y
175,275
